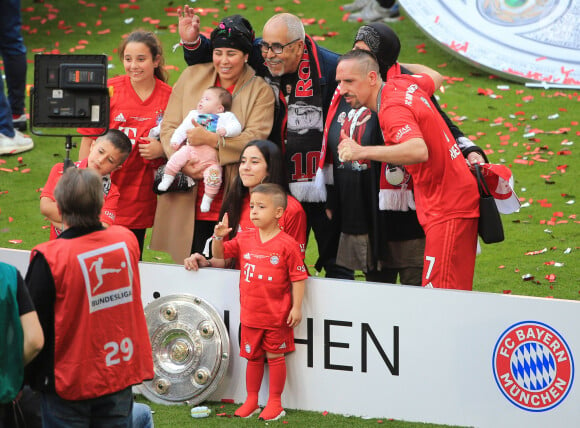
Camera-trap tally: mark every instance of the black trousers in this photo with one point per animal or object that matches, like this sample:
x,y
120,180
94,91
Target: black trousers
x,y
327,234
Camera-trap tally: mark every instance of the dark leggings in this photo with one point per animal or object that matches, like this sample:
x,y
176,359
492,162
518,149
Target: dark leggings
x,y
202,232
140,235
387,4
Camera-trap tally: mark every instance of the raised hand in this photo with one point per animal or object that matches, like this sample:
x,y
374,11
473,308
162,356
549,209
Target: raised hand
x,y
222,228
188,24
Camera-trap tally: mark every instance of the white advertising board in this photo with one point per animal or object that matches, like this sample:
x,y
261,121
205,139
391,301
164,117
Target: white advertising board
x,y
520,40
388,351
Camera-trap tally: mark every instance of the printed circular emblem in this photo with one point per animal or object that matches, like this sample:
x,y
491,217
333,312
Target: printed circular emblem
x,y
533,366
274,260
396,175
521,40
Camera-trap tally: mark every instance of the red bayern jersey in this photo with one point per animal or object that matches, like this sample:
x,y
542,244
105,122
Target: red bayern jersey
x,y
134,179
293,221
444,186
109,211
267,270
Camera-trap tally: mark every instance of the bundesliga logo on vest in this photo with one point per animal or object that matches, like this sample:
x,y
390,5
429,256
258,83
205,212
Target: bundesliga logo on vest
x,y
533,366
113,262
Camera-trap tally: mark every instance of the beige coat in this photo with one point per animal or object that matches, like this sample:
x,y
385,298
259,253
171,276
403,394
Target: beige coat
x,y
253,105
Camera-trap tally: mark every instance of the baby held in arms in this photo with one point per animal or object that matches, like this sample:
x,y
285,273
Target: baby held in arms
x,y
213,114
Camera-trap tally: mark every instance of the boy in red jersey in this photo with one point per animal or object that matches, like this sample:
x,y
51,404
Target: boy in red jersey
x,y
416,136
107,154
272,280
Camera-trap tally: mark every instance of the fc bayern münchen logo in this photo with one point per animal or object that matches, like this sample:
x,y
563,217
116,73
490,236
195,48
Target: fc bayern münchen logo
x,y
533,366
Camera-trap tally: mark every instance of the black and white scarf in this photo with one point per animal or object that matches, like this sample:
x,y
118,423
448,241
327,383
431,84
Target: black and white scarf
x,y
300,97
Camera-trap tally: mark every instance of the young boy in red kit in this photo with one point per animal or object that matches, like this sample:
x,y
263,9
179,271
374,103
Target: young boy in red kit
x,y
272,280
107,154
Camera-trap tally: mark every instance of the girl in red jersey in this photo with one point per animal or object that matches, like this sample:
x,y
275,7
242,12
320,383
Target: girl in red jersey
x,y
261,161
138,101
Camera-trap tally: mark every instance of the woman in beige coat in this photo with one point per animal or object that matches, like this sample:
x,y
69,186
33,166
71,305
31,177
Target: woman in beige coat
x,y
178,214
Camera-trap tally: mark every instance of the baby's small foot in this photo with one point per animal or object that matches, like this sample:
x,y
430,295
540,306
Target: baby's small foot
x,y
165,182
205,204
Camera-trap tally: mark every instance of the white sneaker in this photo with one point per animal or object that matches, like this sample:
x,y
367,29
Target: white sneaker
x,y
372,12
356,5
17,144
19,122
165,182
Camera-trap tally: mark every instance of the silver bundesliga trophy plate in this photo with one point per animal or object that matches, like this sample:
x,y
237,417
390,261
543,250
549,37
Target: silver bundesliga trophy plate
x,y
521,40
190,350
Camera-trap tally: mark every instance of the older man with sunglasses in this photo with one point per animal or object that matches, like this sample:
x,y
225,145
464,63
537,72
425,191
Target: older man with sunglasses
x,y
302,75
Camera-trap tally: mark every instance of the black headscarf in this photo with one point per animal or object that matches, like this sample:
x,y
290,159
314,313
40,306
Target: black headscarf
x,y
234,32
383,42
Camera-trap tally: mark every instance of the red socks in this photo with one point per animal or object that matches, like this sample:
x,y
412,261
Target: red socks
x,y
254,374
273,409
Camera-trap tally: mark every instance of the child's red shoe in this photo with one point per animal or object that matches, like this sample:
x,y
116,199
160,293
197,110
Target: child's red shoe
x,y
247,410
272,413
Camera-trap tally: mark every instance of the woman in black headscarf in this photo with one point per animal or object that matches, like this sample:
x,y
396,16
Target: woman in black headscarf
x,y
253,105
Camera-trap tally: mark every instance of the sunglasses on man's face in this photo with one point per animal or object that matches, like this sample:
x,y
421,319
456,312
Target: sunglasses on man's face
x,y
277,48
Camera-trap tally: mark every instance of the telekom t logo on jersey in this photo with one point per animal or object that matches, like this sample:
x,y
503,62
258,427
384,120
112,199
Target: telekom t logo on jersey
x,y
249,271
108,276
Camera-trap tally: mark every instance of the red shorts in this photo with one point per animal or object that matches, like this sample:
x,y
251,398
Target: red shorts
x,y
257,341
450,249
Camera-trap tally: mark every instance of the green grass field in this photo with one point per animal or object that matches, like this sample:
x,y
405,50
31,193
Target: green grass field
x,y
542,240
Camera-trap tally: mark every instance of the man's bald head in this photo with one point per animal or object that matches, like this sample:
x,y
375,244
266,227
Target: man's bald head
x,y
293,24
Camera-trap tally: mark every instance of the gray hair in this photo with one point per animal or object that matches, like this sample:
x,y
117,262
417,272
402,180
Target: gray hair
x,y
292,23
79,196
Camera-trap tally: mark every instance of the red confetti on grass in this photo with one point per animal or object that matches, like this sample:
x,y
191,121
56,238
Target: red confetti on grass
x,y
15,241
536,252
324,413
